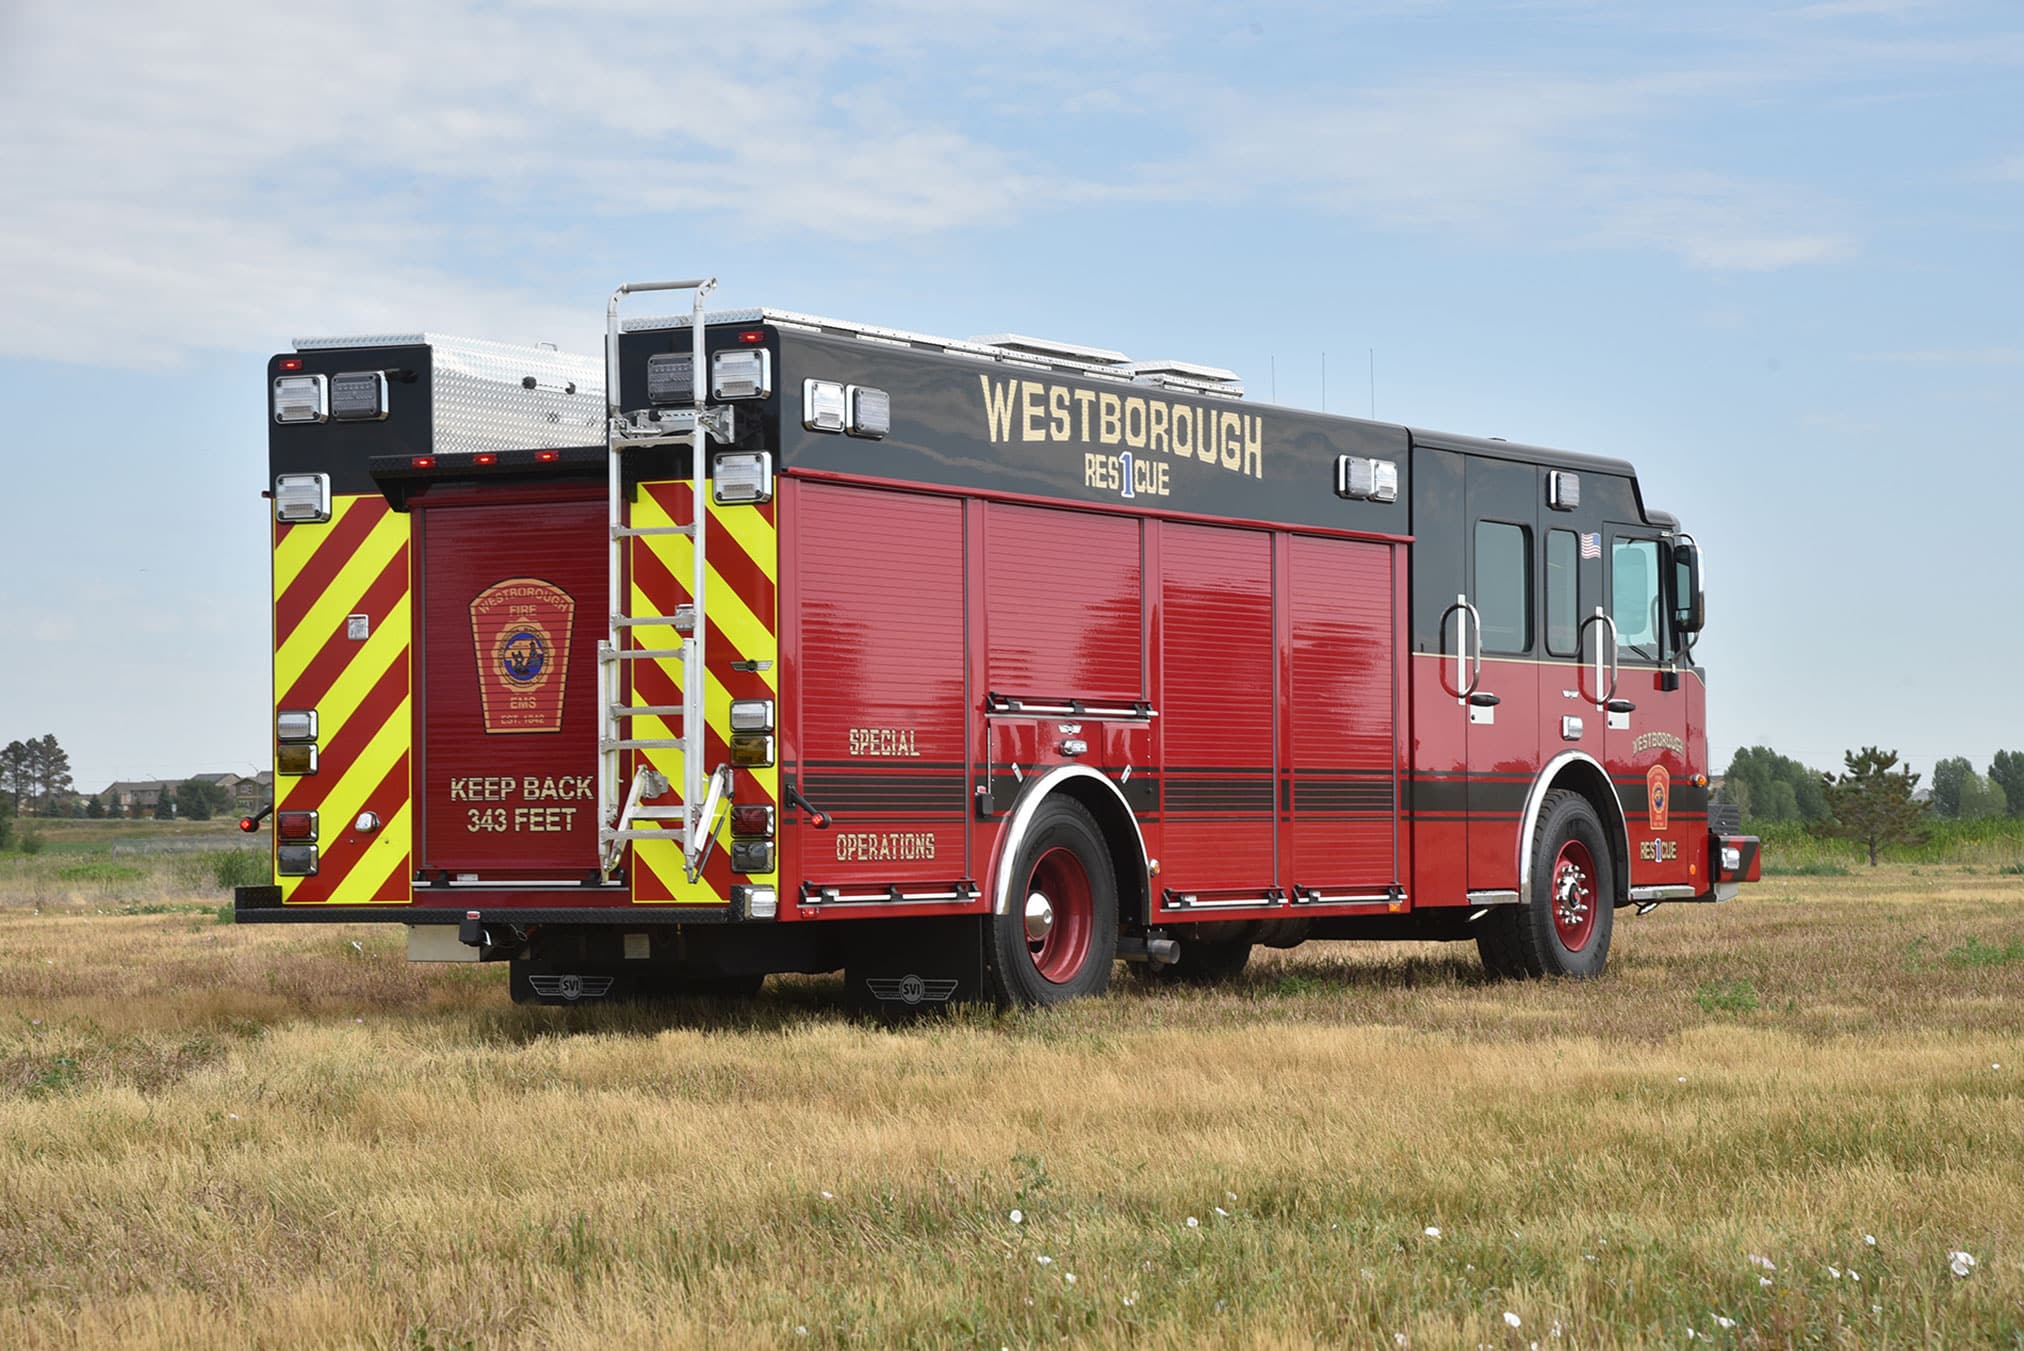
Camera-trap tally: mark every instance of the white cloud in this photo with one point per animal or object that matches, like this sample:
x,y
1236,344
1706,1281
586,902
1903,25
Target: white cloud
x,y
228,175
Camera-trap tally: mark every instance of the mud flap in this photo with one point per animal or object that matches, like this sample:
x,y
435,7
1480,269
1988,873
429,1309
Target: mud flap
x,y
904,967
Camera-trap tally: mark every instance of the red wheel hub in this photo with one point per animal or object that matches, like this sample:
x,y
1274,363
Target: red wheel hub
x,y
1573,895
1060,915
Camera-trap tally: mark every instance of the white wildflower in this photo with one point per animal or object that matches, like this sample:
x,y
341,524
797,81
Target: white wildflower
x,y
1069,1277
1432,1231
1224,1213
801,1330
1017,1217
1194,1223
1759,1260
1960,1263
1855,1275
1398,1339
232,1116
1835,1272
1764,1281
1723,1323
829,1196
1682,1079
1044,1260
1513,1320
1231,1197
1555,1329
1130,1300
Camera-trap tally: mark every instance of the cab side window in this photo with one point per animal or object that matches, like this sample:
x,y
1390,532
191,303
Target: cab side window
x,y
1634,598
1504,586
1563,594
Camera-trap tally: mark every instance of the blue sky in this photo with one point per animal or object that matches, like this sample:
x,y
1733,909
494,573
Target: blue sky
x,y
1770,252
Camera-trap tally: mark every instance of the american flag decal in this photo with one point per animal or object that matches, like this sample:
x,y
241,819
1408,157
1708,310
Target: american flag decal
x,y
1591,545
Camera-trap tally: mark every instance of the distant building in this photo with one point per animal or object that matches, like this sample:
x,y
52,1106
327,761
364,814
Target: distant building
x,y
140,797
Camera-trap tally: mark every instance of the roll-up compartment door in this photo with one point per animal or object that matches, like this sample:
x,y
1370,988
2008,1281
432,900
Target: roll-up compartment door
x,y
878,608
513,599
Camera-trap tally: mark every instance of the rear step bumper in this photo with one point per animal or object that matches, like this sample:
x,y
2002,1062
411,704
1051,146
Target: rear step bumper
x,y
262,905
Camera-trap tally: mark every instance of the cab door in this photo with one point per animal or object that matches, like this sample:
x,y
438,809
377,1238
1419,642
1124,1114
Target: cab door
x,y
1500,674
1645,704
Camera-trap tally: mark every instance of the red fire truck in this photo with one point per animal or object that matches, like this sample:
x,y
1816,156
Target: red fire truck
x,y
771,643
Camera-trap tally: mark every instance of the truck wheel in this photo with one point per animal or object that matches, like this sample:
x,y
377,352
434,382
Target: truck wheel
x,y
1058,937
1566,929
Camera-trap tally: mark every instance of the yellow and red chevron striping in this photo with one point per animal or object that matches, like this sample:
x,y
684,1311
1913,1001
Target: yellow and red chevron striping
x,y
332,658
359,563
740,608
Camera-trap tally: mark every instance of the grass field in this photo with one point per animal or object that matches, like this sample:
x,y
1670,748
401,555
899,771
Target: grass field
x,y
1772,1123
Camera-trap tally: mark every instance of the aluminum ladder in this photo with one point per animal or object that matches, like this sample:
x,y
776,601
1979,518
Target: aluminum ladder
x,y
620,806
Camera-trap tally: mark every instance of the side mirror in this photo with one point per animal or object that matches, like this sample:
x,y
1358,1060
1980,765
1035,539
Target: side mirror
x,y
1690,603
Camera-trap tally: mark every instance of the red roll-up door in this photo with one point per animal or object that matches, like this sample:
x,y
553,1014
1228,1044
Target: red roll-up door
x,y
512,605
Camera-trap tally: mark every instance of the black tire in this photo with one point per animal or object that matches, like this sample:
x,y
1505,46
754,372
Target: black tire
x,y
1566,930
1205,962
1064,852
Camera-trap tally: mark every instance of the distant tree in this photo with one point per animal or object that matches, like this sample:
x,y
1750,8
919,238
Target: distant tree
x,y
2007,769
94,807
1871,801
165,805
6,821
53,781
1981,798
1772,787
14,778
200,800
1948,776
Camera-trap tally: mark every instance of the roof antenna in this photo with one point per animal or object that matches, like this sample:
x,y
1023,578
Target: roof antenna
x,y
1275,378
1373,384
1324,382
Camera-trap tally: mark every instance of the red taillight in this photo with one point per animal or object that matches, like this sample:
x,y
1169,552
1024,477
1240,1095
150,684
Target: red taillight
x,y
752,819
547,456
247,824
424,462
295,825
752,337
289,364
486,458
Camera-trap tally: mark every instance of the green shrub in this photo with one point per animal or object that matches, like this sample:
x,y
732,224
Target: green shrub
x,y
32,842
1727,996
1975,952
240,868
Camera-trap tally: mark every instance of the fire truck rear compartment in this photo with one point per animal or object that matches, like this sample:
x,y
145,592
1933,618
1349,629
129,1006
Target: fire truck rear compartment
x,y
512,598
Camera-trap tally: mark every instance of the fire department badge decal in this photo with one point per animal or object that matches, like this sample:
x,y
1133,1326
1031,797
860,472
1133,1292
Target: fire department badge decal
x,y
520,636
1658,788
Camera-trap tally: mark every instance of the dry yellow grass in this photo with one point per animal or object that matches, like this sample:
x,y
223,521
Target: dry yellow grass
x,y
212,1135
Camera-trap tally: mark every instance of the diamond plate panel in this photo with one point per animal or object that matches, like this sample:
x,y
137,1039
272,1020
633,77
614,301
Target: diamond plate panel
x,y
482,398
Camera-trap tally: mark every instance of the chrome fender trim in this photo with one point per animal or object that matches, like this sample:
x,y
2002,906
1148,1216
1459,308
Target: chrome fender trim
x,y
1013,837
1535,799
